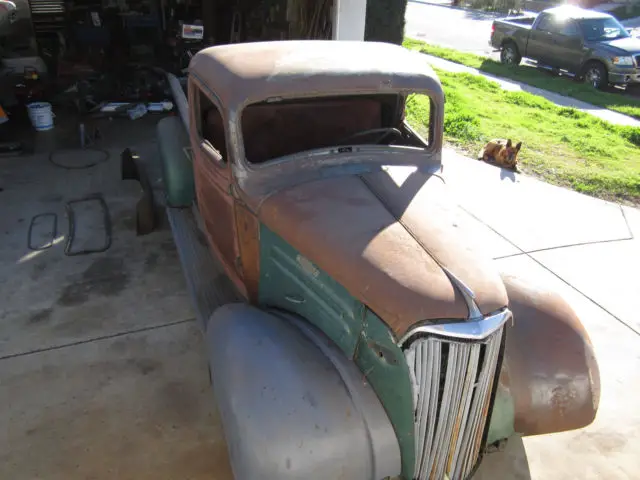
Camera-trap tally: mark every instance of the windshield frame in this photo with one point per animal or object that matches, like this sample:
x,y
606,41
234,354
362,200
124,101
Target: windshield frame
x,y
434,144
258,181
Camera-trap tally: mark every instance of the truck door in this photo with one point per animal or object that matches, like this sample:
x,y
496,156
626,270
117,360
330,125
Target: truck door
x,y
566,45
213,177
540,39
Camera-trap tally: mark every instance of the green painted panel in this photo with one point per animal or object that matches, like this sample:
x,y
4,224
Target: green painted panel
x,y
386,369
502,416
177,165
292,282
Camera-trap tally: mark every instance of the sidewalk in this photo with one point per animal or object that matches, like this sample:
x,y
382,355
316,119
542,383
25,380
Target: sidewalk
x,y
512,85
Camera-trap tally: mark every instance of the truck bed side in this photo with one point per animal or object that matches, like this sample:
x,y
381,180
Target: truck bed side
x,y
515,29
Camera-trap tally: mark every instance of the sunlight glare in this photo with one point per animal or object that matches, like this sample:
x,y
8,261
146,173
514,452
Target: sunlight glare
x,y
35,253
399,173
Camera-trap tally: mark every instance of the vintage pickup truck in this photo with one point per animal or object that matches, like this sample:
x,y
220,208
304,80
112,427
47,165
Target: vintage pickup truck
x,y
351,331
585,43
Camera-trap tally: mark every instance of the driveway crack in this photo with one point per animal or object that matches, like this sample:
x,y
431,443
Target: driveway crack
x,y
528,254
95,339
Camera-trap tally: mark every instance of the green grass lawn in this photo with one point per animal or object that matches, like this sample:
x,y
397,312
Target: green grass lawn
x,y
532,76
562,145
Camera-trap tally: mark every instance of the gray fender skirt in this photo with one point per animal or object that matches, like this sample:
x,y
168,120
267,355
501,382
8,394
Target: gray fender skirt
x,y
292,405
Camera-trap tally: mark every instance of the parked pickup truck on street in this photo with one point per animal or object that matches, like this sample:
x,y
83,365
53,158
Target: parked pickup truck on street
x,y
590,45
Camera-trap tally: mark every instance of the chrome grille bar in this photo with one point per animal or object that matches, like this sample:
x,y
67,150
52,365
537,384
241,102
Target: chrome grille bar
x,y
453,381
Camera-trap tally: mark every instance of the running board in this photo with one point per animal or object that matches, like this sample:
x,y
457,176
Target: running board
x,y
208,284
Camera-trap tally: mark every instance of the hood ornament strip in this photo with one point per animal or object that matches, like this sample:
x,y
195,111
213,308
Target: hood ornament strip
x,y
467,294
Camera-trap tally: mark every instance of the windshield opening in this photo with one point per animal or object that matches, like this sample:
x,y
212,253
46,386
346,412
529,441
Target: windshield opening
x,y
602,29
272,130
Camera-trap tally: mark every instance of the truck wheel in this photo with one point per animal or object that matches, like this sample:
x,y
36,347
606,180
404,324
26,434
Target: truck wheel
x,y
509,55
596,75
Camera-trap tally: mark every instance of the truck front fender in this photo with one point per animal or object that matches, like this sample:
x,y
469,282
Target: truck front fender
x,y
292,405
549,370
177,167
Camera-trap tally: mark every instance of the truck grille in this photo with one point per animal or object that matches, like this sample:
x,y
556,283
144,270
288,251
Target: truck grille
x,y
46,7
453,383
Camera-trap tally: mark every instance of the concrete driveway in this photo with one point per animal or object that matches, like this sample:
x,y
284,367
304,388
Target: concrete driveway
x,y
589,250
102,369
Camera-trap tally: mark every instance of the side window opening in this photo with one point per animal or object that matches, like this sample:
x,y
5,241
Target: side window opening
x,y
419,114
569,29
544,24
211,125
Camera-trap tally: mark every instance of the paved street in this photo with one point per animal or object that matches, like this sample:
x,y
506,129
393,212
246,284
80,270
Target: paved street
x,y
463,30
449,27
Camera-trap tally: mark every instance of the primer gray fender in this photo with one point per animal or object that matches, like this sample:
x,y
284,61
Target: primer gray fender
x,y
549,370
292,405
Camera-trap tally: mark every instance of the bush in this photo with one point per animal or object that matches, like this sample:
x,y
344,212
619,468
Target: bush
x,y
504,6
385,21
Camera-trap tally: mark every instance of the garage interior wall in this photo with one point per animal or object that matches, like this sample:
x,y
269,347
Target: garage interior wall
x,y
71,38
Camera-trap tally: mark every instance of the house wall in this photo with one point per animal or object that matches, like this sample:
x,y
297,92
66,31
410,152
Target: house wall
x,y
349,18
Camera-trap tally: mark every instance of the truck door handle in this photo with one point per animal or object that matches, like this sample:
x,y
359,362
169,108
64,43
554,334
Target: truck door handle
x,y
294,299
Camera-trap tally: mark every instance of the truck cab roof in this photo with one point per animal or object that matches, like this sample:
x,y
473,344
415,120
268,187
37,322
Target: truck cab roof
x,y
575,13
240,74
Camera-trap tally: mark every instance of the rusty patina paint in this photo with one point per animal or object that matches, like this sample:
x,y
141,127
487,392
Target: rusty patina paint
x,y
549,366
384,245
248,227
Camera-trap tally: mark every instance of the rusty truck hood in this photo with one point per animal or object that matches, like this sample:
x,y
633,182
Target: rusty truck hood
x,y
385,238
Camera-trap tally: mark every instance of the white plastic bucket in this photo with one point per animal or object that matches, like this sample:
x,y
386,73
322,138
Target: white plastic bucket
x,y
40,115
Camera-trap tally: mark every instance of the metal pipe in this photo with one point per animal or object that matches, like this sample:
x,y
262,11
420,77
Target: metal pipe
x,y
180,98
